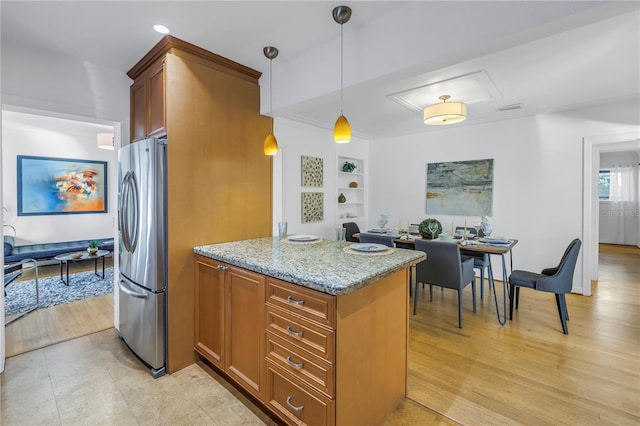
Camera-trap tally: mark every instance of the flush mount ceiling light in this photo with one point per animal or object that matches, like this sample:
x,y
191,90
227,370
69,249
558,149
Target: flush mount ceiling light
x,y
105,140
161,29
270,142
445,113
342,129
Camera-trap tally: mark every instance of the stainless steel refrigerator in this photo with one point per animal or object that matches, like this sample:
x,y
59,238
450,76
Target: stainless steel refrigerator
x,y
142,235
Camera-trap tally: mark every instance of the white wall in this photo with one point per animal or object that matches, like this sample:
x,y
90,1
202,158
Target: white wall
x,y
26,134
294,141
537,175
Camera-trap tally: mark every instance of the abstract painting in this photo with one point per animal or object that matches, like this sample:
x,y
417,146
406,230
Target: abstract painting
x,y
61,186
312,171
312,207
463,188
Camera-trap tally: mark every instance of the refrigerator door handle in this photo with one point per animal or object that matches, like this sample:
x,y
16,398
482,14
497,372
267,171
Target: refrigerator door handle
x,y
130,188
121,199
130,292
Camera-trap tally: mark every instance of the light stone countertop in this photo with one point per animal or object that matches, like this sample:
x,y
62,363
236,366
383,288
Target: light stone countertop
x,y
322,266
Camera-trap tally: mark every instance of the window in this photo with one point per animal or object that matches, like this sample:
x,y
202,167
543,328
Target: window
x,y
604,184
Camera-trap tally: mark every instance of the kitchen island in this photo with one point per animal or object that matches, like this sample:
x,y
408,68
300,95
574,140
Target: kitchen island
x,y
315,332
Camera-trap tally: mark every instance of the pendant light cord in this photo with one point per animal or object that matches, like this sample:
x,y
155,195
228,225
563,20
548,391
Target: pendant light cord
x,y
341,69
271,92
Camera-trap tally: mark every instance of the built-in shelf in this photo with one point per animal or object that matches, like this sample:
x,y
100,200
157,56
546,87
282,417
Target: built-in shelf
x,y
355,204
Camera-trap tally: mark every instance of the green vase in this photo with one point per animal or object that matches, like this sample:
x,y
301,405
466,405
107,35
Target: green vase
x,y
342,198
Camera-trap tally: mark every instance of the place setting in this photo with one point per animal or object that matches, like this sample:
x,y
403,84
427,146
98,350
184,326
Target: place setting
x,y
302,239
295,238
368,249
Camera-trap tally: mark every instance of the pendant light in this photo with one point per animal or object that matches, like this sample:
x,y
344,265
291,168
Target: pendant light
x,y
105,140
445,113
342,129
270,142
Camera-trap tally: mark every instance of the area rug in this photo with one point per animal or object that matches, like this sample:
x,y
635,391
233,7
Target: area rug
x,y
21,295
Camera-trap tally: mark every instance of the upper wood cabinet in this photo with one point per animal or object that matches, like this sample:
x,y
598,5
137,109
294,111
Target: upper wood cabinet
x,y
148,103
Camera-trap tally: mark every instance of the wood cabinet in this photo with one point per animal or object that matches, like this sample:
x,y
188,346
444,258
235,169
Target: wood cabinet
x,y
323,359
230,321
148,103
244,329
209,108
301,337
209,310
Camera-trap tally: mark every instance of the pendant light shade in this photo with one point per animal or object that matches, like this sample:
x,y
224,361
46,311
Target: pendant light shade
x,y
445,113
270,145
105,141
270,142
342,128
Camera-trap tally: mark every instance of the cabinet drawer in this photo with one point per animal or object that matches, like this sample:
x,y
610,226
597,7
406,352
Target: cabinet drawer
x,y
301,332
309,303
296,403
300,363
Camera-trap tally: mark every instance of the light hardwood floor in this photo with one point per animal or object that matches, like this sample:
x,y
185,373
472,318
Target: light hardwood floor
x,y
528,372
48,326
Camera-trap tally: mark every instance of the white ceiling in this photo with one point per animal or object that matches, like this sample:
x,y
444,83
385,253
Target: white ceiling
x,y
547,55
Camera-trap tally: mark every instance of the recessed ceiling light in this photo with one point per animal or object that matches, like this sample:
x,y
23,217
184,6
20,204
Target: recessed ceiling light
x,y
161,29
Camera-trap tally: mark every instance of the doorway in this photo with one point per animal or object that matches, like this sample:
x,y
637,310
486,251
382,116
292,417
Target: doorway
x,y
27,132
592,148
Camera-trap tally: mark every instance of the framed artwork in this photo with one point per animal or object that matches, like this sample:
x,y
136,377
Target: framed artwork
x,y
463,188
312,207
312,171
61,186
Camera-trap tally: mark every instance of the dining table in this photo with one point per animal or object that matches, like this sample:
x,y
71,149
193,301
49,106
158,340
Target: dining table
x,y
473,245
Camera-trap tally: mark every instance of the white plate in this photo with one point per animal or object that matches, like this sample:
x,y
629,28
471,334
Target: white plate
x,y
378,231
368,247
301,238
469,234
496,240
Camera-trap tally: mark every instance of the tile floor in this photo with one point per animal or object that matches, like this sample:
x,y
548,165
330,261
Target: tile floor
x,y
95,380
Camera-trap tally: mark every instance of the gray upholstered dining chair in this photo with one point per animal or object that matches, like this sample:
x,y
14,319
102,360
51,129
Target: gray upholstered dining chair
x,y
480,260
377,239
351,228
556,280
444,267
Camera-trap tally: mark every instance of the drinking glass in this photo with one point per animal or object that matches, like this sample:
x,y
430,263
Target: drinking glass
x,y
282,229
341,234
433,228
382,221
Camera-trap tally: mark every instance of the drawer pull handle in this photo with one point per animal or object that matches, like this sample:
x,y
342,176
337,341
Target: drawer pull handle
x,y
298,408
294,364
222,267
294,333
294,301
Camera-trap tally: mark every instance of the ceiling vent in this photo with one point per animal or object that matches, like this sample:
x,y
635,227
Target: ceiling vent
x,y
509,107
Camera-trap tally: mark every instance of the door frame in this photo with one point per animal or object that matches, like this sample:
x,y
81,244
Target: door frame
x,y
592,148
